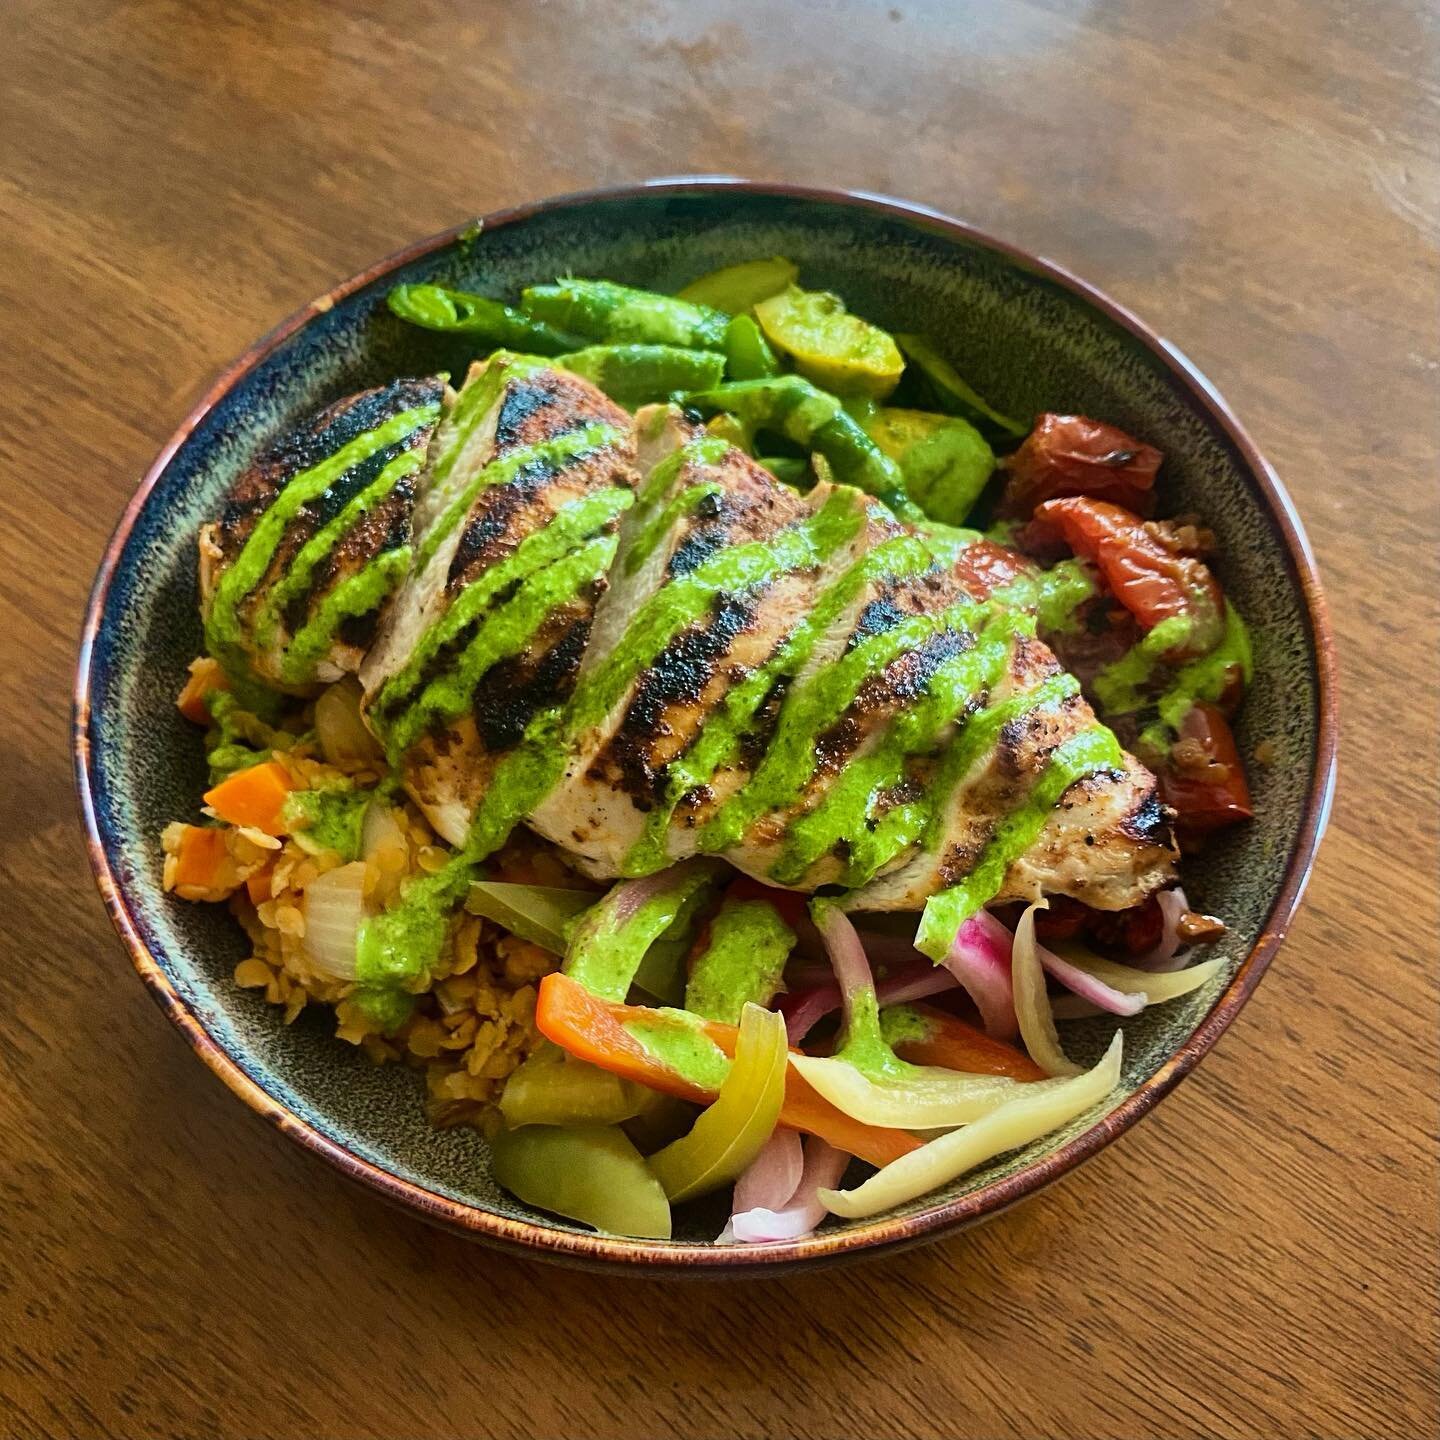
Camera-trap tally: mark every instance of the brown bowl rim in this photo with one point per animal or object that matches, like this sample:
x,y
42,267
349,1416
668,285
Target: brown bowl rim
x,y
605,1251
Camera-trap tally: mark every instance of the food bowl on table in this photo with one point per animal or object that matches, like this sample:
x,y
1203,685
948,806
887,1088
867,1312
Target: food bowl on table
x,y
1028,335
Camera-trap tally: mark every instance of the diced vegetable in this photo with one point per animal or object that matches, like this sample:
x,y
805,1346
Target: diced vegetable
x,y
552,1087
1150,580
259,884
637,374
729,1134
206,676
950,393
835,349
203,867
608,1035
946,461
254,797
618,314
738,288
459,312
334,905
589,1173
1072,455
541,914
748,355
1034,1112
1032,1003
774,1175
344,737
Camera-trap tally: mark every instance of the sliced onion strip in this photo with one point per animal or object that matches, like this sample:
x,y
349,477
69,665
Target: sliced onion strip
x,y
1032,1003
824,1168
980,960
334,906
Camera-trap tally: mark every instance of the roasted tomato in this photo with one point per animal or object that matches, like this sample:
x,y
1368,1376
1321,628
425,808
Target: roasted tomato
x,y
1148,576
1203,777
982,568
1071,455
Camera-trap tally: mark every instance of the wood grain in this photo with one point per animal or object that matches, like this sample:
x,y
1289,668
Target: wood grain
x,y
1260,181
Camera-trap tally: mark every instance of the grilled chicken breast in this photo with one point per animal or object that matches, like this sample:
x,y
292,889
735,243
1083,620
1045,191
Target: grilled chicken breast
x,y
315,537
707,661
515,532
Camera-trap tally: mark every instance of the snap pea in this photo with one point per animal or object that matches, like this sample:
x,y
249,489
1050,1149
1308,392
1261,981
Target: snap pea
x,y
589,1173
748,355
619,314
805,414
737,288
946,461
951,393
458,312
637,374
832,347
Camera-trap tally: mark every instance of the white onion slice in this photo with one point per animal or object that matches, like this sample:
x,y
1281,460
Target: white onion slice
x,y
1032,1003
847,955
344,737
928,1097
1089,986
1154,989
1035,1112
334,906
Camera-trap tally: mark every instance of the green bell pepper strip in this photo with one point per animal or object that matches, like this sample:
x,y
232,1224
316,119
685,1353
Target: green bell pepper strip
x,y
589,1173
951,393
737,288
542,914
634,375
745,952
551,1087
806,415
731,1133
748,355
618,314
458,312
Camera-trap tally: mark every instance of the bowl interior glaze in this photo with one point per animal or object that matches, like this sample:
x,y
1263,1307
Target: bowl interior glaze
x,y
1025,338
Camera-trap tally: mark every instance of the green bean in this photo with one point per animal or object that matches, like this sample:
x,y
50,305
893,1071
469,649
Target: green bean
x,y
951,393
603,310
748,355
807,415
637,374
458,312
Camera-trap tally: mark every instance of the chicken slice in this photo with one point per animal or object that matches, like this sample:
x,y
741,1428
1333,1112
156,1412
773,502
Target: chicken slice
x,y
315,538
516,529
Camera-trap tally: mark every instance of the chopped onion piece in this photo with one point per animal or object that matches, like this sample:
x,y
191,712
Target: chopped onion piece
x,y
804,1009
925,1097
980,960
382,833
334,906
1035,1112
847,954
824,1167
1032,1004
344,737
1167,953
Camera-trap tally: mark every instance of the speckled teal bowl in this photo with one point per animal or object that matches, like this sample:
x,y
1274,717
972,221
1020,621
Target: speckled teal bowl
x,y
1030,337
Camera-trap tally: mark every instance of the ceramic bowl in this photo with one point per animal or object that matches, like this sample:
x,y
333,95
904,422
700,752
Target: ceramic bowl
x,y
1029,336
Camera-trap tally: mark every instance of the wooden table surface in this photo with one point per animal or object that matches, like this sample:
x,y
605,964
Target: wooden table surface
x,y
1259,181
